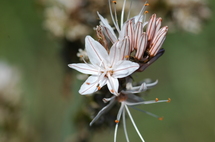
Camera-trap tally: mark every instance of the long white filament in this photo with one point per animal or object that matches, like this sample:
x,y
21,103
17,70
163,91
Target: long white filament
x,y
141,12
149,113
146,102
115,131
122,14
124,125
129,10
118,119
112,17
129,114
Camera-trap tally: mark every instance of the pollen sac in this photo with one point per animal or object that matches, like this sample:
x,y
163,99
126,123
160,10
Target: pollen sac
x,y
116,121
99,88
114,2
156,99
147,4
146,12
169,100
160,118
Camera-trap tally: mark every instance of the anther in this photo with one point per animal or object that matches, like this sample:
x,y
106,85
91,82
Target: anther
x,y
169,100
156,99
87,83
99,88
160,118
116,121
80,56
114,2
112,91
147,4
146,12
127,56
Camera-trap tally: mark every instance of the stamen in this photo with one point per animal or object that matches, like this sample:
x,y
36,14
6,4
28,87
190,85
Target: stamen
x,y
116,121
147,4
114,2
145,12
141,11
129,10
132,120
115,132
122,14
156,99
116,19
160,118
111,13
98,87
169,100
149,113
124,125
87,83
112,91
127,56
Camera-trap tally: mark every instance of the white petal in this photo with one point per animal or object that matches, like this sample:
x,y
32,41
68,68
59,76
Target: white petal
x,y
84,68
138,33
104,110
141,46
131,33
125,48
107,29
115,52
124,68
109,34
91,85
119,51
123,31
113,85
95,51
150,31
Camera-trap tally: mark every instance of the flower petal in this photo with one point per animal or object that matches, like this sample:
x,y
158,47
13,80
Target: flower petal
x,y
95,51
150,31
125,48
124,68
113,85
115,52
138,33
84,68
158,41
141,46
107,29
91,85
104,110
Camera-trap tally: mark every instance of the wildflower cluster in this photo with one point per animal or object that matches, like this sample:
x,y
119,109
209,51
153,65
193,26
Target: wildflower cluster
x,y
131,46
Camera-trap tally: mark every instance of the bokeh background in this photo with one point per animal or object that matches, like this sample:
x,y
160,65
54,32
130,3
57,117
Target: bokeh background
x,y
39,100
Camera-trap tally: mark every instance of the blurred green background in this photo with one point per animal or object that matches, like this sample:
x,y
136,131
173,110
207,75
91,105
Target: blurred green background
x,y
186,74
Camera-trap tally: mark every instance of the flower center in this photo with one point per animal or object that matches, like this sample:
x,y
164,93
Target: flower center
x,y
122,97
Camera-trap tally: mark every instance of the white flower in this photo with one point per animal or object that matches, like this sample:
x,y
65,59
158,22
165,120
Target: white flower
x,y
127,98
104,68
